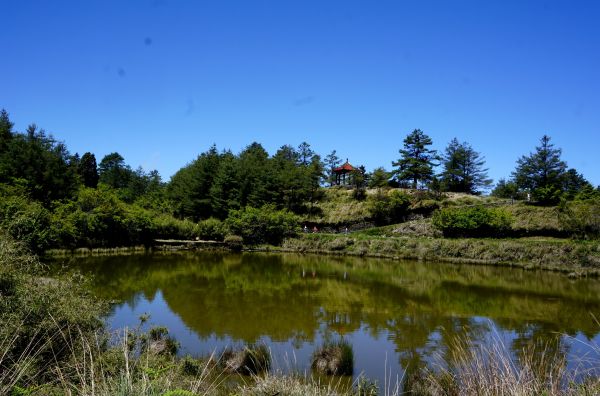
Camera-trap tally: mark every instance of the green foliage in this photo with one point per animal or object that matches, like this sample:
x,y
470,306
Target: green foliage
x,y
167,227
113,171
366,387
38,162
331,161
191,366
507,189
96,218
475,221
211,229
587,192
463,169
234,242
417,161
39,315
379,178
24,219
581,218
88,170
424,206
6,132
388,207
542,172
358,179
264,225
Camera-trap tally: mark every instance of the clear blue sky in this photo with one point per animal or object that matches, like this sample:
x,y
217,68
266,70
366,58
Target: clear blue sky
x,y
160,81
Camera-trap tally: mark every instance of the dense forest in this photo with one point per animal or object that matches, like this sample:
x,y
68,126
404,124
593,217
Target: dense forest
x,y
53,198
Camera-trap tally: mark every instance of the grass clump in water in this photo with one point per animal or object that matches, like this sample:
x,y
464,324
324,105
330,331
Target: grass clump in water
x,y
251,359
334,358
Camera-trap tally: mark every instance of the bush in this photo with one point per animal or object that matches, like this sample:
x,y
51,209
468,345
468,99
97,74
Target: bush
x,y
25,220
472,222
387,208
39,316
424,206
96,218
234,242
211,229
167,227
581,218
264,225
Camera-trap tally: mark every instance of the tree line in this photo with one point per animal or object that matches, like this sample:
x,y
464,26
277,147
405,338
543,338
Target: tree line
x,y
79,201
541,176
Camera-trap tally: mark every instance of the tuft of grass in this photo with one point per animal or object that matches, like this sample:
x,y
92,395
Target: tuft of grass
x,y
251,359
490,370
334,358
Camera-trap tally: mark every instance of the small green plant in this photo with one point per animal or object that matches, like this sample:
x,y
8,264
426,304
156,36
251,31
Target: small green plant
x,y
158,342
190,366
366,387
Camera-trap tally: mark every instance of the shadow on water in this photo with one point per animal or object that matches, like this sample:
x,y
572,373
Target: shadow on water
x,y
407,313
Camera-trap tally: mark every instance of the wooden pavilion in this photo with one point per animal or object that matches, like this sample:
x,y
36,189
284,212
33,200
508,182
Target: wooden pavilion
x,y
340,173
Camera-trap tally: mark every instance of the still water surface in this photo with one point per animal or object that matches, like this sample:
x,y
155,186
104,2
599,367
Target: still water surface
x,y
397,315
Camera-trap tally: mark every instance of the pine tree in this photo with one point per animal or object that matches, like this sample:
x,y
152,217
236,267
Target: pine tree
x,y
305,153
463,169
379,178
5,130
542,172
190,187
224,192
113,171
331,162
88,170
417,161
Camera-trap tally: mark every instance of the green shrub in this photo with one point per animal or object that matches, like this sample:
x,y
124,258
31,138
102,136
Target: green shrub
x,y
39,316
211,229
96,218
167,227
424,206
234,242
191,366
158,342
581,218
390,207
26,221
264,225
475,221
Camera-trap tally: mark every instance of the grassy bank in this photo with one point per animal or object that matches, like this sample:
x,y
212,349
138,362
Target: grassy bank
x,y
576,257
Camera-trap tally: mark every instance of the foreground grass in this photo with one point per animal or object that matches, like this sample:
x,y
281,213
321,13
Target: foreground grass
x,y
490,369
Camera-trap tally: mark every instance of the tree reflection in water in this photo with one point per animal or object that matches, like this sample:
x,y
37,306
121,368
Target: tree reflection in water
x,y
419,308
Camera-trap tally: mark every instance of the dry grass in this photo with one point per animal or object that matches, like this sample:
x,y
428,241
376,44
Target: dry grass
x,y
491,370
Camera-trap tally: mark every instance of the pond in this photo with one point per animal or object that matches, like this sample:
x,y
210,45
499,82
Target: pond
x,y
396,314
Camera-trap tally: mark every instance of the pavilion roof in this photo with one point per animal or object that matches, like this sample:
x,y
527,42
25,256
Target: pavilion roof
x,y
345,167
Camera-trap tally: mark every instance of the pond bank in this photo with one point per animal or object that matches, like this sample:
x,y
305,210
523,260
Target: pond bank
x,y
576,258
